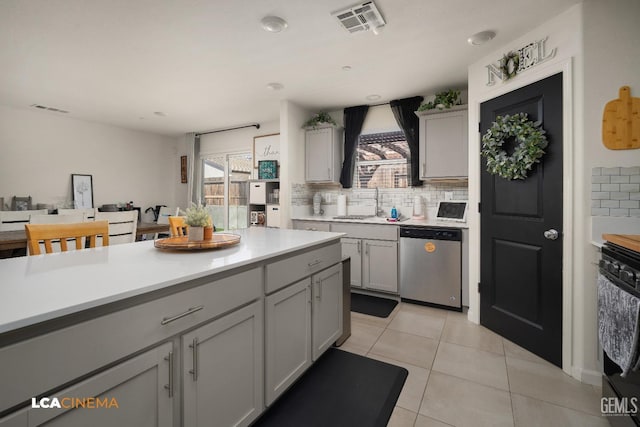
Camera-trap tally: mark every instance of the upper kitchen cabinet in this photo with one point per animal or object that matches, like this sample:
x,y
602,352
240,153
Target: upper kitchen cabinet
x,y
323,154
443,143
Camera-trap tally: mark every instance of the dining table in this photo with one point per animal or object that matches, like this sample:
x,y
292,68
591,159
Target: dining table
x,y
17,239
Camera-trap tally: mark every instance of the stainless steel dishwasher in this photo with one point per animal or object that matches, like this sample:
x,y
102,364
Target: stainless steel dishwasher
x,y
431,265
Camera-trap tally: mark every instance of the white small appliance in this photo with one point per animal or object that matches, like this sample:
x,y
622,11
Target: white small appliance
x,y
317,199
452,210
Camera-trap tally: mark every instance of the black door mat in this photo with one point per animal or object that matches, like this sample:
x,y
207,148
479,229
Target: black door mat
x,y
341,389
373,306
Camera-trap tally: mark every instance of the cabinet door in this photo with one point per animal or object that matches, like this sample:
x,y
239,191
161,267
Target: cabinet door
x,y
223,371
311,225
318,155
444,149
16,419
327,309
380,265
288,337
353,248
142,387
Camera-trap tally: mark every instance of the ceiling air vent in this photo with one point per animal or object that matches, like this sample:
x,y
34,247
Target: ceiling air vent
x,y
44,107
360,17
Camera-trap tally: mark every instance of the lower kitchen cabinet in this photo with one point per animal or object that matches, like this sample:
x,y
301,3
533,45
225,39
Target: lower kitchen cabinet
x,y
142,387
288,337
374,263
353,249
326,323
380,265
223,371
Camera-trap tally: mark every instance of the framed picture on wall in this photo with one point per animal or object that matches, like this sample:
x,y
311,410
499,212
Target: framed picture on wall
x,y
267,169
82,190
266,147
183,169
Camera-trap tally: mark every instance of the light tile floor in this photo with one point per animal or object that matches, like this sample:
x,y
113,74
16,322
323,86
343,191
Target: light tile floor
x,y
462,374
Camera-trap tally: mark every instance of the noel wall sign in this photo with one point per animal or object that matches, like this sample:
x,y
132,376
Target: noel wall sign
x,y
515,62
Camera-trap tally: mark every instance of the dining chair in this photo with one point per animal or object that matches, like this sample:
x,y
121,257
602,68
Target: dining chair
x,y
15,220
122,225
61,232
58,219
89,213
177,226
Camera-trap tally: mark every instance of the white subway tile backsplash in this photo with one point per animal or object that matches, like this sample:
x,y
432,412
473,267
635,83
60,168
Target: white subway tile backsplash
x,y
630,171
620,179
615,191
610,171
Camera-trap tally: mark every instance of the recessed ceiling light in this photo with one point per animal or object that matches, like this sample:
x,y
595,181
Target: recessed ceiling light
x,y
346,68
275,86
482,37
273,24
373,97
160,113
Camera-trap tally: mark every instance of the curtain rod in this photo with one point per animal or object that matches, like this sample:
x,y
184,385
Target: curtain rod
x,y
256,125
377,105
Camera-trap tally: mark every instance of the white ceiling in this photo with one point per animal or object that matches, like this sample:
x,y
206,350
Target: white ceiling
x,y
206,64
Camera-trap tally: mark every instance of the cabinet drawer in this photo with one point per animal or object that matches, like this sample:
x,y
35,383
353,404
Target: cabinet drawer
x,y
258,193
281,273
311,225
46,361
273,216
367,231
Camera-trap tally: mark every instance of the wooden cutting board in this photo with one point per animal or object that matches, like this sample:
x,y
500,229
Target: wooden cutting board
x,y
621,122
629,241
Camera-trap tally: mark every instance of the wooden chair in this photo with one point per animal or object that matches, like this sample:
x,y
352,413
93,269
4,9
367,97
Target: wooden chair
x,y
177,226
122,225
77,231
15,220
58,219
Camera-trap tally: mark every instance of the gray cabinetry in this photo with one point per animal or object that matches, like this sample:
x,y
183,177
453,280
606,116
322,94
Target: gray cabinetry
x,y
327,309
146,380
311,225
323,154
443,144
374,262
223,370
380,265
288,337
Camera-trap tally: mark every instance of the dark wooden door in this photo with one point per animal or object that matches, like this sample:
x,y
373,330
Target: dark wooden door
x,y
521,269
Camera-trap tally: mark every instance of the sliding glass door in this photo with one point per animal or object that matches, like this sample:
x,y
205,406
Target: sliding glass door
x,y
226,189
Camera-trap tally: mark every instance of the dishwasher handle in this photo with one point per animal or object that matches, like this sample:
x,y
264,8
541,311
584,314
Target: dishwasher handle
x,y
431,233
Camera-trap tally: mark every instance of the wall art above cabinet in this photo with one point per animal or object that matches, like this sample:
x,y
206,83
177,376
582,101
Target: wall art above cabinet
x,y
444,144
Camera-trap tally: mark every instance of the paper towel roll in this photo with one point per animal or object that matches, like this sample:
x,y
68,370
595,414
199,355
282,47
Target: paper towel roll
x,y
417,206
342,205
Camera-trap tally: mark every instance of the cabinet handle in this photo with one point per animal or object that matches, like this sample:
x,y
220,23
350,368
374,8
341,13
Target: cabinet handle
x,y
194,347
192,310
359,245
366,249
313,264
169,386
319,295
329,173
424,168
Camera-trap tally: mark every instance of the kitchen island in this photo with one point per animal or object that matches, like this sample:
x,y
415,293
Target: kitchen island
x,y
174,338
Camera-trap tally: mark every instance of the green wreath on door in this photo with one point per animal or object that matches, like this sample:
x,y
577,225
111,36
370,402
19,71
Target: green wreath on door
x,y
531,140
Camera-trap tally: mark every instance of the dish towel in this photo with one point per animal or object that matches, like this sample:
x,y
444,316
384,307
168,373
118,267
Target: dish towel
x,y
618,323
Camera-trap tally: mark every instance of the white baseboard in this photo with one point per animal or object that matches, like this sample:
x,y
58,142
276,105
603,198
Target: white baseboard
x,y
587,376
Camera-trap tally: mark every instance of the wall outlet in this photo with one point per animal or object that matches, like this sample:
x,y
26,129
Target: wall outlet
x,y
448,195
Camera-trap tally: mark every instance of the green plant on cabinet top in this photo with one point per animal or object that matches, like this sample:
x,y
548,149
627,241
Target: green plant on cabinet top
x,y
446,99
319,119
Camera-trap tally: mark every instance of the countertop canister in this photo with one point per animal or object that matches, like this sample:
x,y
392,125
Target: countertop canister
x,y
342,205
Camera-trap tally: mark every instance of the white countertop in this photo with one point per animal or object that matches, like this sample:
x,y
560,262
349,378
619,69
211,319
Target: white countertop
x,y
43,287
383,221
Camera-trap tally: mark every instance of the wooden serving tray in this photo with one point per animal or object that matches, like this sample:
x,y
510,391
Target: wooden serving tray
x,y
629,241
219,240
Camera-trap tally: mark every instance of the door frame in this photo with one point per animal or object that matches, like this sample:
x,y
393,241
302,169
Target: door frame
x,y
566,68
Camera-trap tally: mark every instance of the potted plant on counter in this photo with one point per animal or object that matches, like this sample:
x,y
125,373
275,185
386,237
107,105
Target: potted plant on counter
x,y
197,217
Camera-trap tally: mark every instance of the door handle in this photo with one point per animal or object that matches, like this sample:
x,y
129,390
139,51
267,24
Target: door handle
x,y
551,234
